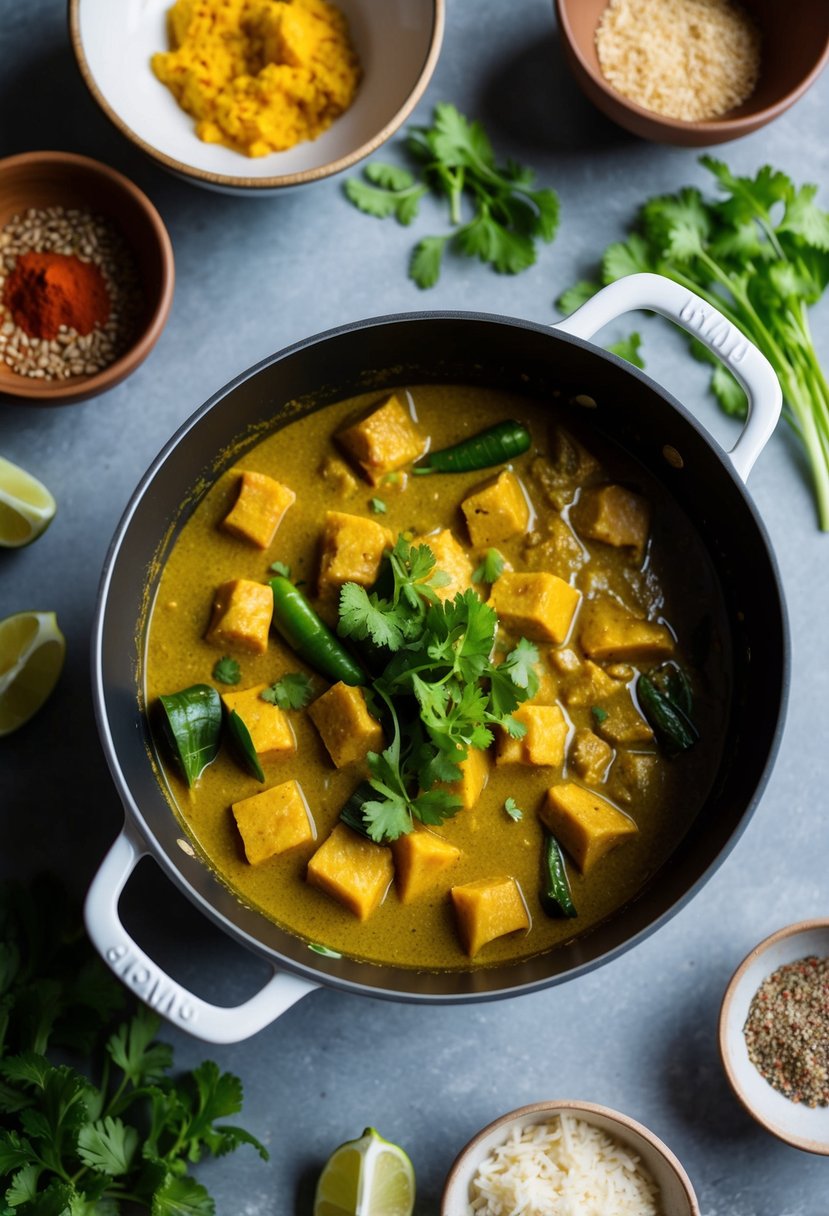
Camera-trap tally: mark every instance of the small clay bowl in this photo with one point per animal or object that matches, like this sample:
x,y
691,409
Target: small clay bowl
x,y
49,179
677,1194
801,1126
795,48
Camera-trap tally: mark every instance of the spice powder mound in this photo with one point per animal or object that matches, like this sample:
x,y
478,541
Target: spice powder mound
x,y
70,295
787,1030
691,60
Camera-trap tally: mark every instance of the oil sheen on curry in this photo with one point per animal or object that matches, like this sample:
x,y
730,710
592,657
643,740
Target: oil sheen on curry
x,y
435,677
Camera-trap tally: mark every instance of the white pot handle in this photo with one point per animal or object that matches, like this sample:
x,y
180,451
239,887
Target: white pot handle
x,y
213,1023
751,368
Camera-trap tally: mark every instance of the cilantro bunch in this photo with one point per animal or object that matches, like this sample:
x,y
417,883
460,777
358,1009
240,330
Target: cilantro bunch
x,y
120,1130
437,688
456,160
760,254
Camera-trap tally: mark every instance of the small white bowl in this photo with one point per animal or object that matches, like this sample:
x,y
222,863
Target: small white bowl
x,y
398,46
677,1194
792,1122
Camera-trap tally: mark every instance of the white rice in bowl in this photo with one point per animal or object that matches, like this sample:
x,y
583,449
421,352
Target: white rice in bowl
x,y
563,1167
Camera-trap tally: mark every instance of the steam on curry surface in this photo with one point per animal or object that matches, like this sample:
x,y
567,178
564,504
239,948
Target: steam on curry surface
x,y
593,580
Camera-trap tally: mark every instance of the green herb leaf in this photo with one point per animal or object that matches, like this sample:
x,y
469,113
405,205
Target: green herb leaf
x,y
243,744
628,348
193,719
108,1145
280,568
490,569
598,713
291,691
458,162
513,810
227,671
378,506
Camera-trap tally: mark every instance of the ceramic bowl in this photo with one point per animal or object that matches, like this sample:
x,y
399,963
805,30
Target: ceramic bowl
x,y
792,1122
398,46
795,48
48,179
677,1194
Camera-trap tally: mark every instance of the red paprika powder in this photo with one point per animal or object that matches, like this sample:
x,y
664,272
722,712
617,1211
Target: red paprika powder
x,y
47,290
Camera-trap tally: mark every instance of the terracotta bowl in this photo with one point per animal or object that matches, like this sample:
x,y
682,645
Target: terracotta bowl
x,y
398,46
676,1192
48,179
804,1127
795,49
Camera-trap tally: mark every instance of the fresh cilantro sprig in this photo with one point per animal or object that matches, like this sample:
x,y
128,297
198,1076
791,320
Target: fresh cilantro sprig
x,y
100,1137
439,690
508,213
760,254
227,671
491,568
291,691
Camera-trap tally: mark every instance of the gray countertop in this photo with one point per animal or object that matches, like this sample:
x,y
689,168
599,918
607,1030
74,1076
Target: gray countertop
x,y
254,275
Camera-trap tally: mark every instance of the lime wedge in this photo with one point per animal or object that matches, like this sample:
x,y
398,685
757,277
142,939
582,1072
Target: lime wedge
x,y
26,506
32,650
366,1177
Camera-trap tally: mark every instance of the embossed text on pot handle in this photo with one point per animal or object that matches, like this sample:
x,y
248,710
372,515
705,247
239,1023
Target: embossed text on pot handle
x,y
751,368
213,1023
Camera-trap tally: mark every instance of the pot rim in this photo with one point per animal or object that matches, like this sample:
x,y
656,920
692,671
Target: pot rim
x,y
322,970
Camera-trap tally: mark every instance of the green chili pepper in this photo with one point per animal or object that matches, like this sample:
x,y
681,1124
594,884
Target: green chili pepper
x,y
310,637
352,810
496,445
240,735
671,724
556,899
193,722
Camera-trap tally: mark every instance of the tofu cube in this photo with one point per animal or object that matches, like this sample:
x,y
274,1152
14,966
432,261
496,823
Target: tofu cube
x,y
452,559
615,516
383,440
488,908
544,741
269,727
352,549
610,633
473,778
348,730
497,511
259,509
274,821
584,823
536,605
590,756
338,477
589,686
421,858
352,870
242,612
622,723
632,775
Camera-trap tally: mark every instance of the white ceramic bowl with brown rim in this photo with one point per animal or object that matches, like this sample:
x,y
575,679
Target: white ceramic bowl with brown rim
x,y
397,44
676,1192
803,1127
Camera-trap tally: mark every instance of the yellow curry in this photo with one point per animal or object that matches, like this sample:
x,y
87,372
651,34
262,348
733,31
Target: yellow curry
x,y
463,673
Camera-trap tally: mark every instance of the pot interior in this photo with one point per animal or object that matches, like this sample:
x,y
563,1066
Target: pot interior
x,y
627,409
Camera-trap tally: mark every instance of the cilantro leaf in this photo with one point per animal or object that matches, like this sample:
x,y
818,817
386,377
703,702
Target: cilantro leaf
x,y
575,296
490,568
281,568
628,348
458,162
513,810
598,713
291,691
378,506
226,671
108,1145
728,392
367,616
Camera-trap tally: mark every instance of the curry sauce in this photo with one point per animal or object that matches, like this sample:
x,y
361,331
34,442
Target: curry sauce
x,y
572,484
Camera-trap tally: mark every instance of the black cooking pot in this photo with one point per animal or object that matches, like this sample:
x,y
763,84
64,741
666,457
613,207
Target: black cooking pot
x,y
627,408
